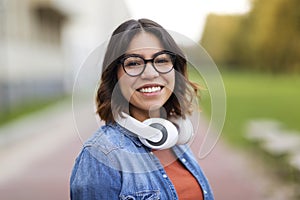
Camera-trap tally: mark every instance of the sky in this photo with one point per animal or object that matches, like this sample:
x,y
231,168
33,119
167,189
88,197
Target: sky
x,y
186,17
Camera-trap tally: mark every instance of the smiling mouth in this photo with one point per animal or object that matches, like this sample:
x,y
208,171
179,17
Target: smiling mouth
x,y
150,89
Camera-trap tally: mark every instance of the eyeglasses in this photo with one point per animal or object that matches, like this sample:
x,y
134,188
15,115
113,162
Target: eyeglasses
x,y
134,64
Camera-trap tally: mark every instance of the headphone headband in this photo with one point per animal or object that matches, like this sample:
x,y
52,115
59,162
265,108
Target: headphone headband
x,y
139,128
158,133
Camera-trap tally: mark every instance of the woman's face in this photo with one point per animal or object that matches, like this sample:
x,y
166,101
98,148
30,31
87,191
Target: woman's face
x,y
150,90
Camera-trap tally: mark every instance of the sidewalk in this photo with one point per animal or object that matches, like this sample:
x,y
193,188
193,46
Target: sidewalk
x,y
37,160
39,166
235,174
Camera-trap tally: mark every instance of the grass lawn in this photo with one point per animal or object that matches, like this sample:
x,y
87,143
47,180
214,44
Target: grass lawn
x,y
254,96
28,107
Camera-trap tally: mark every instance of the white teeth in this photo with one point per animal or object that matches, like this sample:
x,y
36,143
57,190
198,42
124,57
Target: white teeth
x,y
150,89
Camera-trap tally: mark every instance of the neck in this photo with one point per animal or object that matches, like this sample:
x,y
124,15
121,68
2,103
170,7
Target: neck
x,y
142,115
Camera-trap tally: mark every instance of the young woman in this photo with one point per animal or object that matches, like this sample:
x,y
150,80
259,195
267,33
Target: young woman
x,y
144,98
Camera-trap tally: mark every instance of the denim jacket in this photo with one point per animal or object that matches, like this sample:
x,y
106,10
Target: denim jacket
x,y
114,164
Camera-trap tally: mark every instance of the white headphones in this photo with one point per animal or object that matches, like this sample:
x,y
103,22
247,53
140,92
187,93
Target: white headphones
x,y
158,133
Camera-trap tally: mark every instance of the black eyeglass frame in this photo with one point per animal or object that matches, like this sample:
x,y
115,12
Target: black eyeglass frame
x,y
172,55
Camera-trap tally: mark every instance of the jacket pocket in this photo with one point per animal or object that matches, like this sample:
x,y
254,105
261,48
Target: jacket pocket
x,y
141,195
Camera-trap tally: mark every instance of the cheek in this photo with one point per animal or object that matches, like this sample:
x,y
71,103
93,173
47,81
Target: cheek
x,y
125,84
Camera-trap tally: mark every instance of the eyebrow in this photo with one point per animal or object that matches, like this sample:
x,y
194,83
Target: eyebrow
x,y
139,55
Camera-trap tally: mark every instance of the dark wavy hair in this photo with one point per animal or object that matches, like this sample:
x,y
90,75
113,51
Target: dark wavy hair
x,y
109,99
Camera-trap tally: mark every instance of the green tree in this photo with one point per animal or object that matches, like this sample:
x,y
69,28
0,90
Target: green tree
x,y
267,38
218,35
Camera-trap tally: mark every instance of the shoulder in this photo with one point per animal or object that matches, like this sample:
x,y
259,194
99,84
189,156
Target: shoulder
x,y
112,137
106,138
108,146
95,157
96,149
91,177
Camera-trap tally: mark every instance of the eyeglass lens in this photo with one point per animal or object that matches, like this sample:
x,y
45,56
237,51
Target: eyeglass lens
x,y
135,65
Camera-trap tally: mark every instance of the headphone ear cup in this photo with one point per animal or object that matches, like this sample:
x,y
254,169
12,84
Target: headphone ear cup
x,y
168,130
185,129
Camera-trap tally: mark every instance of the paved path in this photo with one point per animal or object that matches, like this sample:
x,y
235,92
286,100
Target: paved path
x,y
38,166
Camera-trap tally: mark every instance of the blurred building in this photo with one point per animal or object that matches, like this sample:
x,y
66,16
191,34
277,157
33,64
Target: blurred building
x,y
42,43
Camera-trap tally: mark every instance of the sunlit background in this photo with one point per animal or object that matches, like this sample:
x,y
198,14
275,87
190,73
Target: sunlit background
x,y
186,18
254,43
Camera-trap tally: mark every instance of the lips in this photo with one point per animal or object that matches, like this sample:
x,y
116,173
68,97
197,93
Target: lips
x,y
150,89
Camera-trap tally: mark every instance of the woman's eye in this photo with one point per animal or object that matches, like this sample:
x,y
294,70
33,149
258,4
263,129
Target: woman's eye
x,y
133,63
161,61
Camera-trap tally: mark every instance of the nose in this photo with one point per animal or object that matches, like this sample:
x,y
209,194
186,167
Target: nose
x,y
149,72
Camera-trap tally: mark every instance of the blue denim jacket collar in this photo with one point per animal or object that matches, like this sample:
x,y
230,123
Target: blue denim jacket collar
x,y
132,136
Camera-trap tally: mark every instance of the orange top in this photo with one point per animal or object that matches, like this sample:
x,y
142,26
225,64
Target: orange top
x,y
186,185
